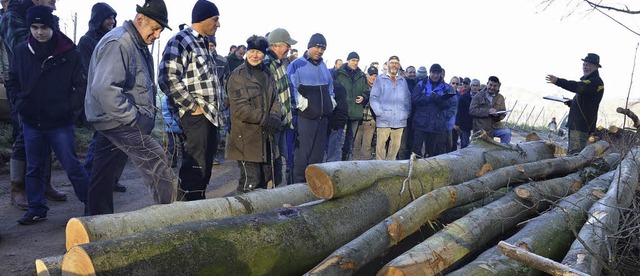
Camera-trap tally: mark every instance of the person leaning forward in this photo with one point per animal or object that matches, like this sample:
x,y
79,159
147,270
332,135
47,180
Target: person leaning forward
x,y
583,112
120,104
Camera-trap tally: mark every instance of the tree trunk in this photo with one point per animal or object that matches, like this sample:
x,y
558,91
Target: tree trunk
x,y
537,262
375,241
287,241
455,213
49,266
548,235
82,230
474,231
339,179
590,255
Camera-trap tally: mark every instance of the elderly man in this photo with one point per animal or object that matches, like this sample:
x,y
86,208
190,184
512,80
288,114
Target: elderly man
x,y
279,44
120,104
355,84
312,91
583,112
488,110
188,75
391,102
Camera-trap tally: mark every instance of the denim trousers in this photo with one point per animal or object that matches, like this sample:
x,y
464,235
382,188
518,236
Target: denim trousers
x,y
38,144
112,148
465,135
394,136
434,143
504,134
349,136
334,145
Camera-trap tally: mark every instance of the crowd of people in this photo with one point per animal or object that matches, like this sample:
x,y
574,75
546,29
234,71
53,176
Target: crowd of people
x,y
277,112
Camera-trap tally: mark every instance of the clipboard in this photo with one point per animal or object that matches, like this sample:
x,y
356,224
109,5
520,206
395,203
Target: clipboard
x,y
501,112
557,99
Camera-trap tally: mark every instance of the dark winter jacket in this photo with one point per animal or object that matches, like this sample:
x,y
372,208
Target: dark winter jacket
x,y
435,104
47,81
340,113
234,62
463,118
355,84
251,100
583,114
89,40
311,88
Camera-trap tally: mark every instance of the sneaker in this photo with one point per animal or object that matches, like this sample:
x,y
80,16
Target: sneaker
x,y
31,218
216,161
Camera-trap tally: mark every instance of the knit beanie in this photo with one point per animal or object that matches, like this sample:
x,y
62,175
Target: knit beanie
x,y
317,40
203,10
41,14
259,43
353,55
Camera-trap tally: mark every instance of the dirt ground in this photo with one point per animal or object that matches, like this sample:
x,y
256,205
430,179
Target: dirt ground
x,y
21,245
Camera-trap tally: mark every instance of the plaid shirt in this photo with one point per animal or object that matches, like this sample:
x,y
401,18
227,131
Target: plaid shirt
x,y
282,86
188,75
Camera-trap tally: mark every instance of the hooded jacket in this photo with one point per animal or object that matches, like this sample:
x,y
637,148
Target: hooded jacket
x,y
48,93
99,13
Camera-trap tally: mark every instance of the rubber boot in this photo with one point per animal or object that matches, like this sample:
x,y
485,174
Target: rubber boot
x,y
51,193
16,176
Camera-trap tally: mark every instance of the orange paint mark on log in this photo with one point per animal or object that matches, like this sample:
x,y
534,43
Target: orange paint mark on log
x,y
485,169
576,186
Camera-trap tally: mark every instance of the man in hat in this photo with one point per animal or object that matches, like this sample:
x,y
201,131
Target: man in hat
x,y
391,102
355,84
280,43
435,104
364,136
188,75
48,85
120,105
312,91
583,112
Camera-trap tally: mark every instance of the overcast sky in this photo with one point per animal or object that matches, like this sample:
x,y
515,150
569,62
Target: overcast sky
x,y
516,40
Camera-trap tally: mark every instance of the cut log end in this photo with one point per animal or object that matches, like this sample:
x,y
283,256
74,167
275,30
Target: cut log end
x,y
485,169
532,137
76,233
523,193
390,271
49,266
319,182
77,262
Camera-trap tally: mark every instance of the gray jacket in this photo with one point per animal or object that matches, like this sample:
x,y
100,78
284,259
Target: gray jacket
x,y
120,82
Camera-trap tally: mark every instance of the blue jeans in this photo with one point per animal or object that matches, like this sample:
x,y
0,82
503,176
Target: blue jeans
x,y
113,146
464,138
37,145
349,136
504,134
334,145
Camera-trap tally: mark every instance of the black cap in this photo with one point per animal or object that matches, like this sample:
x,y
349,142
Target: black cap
x,y
259,43
372,70
353,55
593,58
41,14
203,10
436,68
156,10
317,39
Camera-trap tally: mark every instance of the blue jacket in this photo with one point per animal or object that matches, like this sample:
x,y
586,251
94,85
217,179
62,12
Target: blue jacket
x,y
171,125
435,105
311,88
47,87
120,80
391,102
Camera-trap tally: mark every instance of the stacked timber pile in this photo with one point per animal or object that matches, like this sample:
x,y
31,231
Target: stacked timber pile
x,y
352,212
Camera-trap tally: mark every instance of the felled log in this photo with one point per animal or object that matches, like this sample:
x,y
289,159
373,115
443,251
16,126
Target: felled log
x,y
548,235
589,252
339,179
82,230
49,266
287,241
392,230
538,262
456,213
473,231
630,114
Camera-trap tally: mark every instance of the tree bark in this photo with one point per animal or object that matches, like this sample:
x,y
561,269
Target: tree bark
x,y
537,262
339,179
82,230
49,266
287,241
474,231
630,114
590,255
375,241
548,235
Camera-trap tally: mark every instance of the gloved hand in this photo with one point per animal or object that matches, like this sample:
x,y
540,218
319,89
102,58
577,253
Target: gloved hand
x,y
272,124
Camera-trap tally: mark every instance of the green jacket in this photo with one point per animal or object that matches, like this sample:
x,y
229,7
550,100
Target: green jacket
x,y
355,82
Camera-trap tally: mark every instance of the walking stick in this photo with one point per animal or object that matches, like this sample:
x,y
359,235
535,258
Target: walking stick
x,y
271,184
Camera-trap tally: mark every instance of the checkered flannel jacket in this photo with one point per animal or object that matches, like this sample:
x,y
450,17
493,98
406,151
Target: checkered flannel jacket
x,y
282,86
